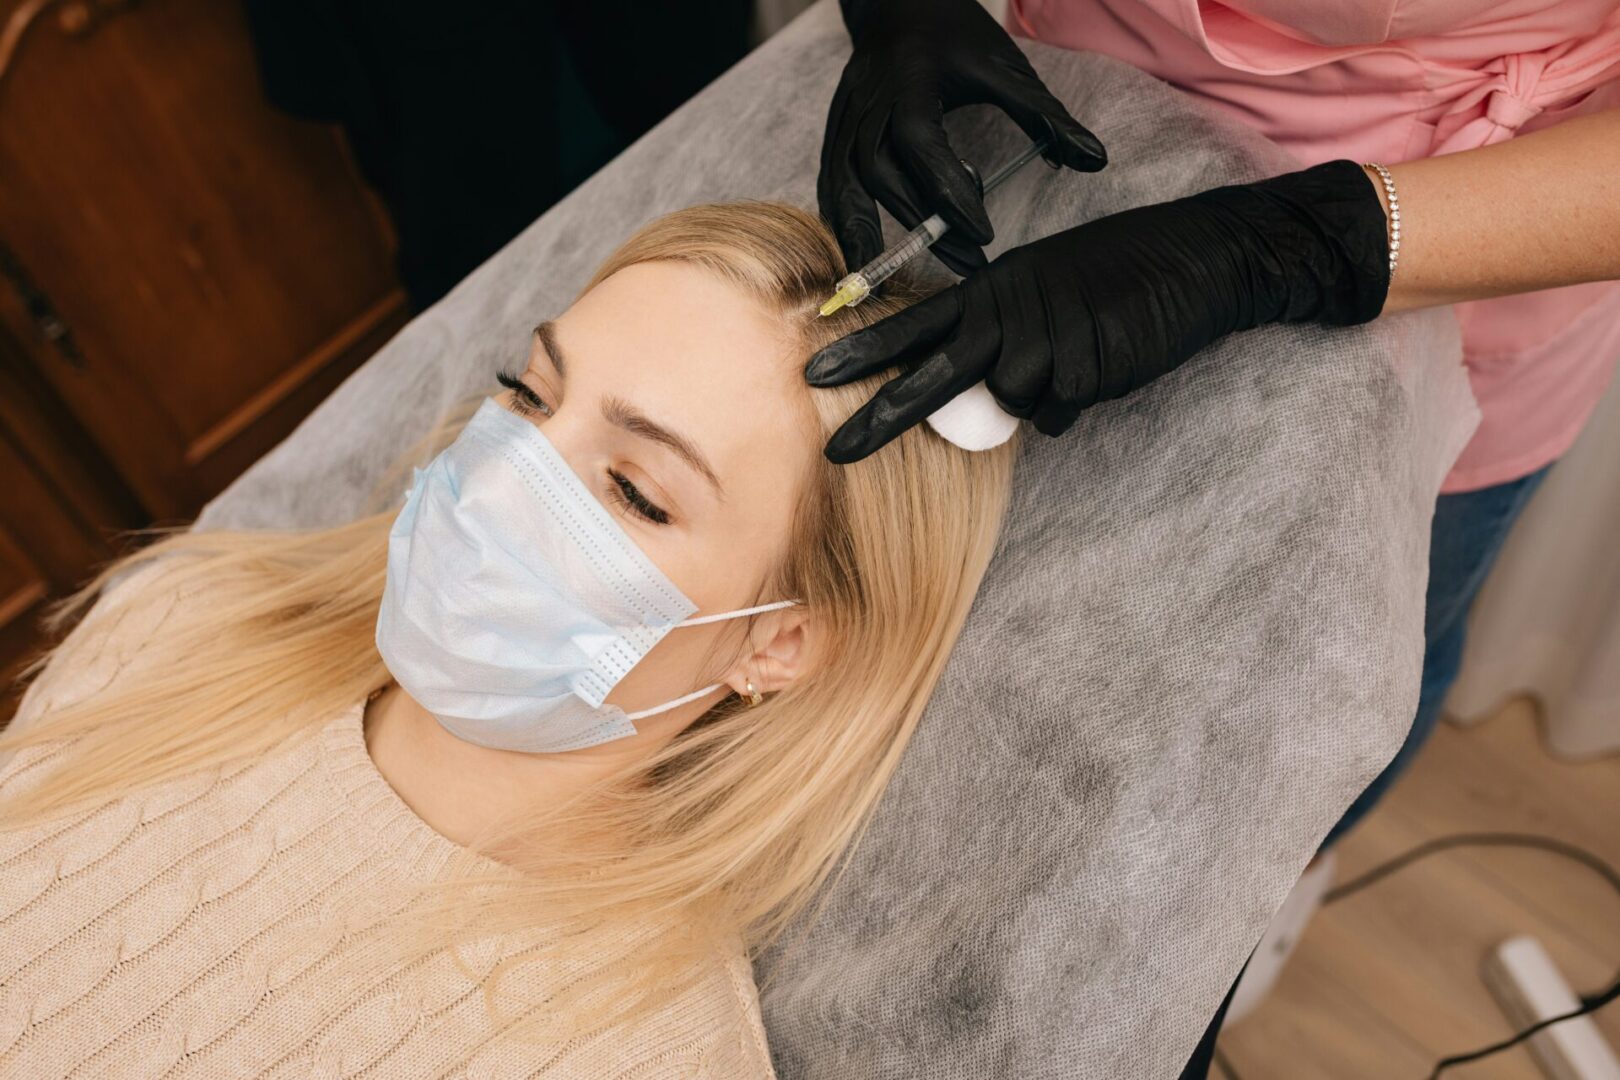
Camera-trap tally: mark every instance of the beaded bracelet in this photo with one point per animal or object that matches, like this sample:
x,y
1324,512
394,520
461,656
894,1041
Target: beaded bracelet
x,y
1394,215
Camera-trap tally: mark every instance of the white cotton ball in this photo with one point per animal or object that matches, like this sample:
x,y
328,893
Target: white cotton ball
x,y
973,420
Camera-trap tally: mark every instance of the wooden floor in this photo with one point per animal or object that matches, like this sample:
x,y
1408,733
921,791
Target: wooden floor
x,y
1386,981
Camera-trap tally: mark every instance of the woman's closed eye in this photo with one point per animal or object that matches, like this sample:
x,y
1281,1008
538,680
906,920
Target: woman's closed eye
x,y
620,488
631,498
524,399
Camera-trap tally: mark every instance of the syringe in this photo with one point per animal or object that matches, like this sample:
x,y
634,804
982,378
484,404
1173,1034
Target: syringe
x,y
857,286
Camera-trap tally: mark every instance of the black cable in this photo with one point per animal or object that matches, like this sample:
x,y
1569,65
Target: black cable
x,y
1588,1002
1596,1002
1485,839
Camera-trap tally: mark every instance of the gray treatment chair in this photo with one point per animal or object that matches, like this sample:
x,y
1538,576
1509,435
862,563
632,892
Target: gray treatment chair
x,y
1201,639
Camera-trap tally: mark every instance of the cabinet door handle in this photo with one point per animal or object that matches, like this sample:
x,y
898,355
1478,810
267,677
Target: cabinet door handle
x,y
41,312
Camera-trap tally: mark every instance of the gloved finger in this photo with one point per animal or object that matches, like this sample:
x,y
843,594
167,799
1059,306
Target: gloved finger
x,y
844,203
907,399
917,140
1055,416
881,345
1025,98
959,254
1020,377
1078,378
953,249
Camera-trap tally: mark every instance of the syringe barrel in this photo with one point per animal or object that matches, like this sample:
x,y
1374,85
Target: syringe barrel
x,y
922,237
881,268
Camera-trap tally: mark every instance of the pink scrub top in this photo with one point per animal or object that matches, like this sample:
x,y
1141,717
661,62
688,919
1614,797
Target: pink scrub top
x,y
1388,81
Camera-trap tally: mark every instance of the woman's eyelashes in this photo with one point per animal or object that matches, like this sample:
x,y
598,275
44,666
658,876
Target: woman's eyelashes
x,y
630,497
620,488
524,399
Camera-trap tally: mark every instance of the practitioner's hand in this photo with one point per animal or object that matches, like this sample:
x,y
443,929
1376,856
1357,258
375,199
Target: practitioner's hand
x,y
914,61
1099,310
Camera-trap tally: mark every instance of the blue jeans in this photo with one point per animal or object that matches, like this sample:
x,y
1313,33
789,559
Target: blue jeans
x,y
1464,541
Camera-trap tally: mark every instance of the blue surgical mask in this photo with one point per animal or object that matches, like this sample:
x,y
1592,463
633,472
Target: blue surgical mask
x,y
515,602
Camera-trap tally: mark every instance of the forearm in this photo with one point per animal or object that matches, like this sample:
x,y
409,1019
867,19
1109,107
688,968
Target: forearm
x,y
1537,212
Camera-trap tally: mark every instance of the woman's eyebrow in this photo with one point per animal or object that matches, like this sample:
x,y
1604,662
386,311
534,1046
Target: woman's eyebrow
x,y
547,333
622,414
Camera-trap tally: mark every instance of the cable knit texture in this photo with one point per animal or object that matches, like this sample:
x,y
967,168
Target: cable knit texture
x,y
214,926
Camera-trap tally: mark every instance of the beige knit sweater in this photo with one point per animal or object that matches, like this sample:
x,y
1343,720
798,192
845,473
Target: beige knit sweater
x,y
206,927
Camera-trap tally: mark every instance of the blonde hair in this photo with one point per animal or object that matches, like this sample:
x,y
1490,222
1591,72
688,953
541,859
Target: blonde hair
x,y
727,832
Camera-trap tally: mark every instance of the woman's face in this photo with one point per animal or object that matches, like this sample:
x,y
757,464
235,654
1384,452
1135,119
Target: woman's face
x,y
676,398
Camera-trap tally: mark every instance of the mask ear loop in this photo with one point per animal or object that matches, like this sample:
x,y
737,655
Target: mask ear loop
x,y
739,613
677,703
753,694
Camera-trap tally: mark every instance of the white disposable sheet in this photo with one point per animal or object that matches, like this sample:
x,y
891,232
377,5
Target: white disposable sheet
x,y
1200,641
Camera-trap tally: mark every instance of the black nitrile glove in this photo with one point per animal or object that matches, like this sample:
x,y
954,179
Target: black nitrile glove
x,y
1096,311
914,61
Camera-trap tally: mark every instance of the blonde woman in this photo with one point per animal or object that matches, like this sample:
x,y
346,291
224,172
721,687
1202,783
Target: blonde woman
x,y
479,787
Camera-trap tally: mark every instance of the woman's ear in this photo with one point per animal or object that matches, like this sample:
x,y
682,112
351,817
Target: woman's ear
x,y
784,646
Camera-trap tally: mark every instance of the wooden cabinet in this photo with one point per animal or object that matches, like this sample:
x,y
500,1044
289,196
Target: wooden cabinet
x,y
60,508
184,274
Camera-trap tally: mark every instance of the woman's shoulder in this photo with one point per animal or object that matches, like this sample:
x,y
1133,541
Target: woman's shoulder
x,y
735,984
718,1020
128,613
711,1030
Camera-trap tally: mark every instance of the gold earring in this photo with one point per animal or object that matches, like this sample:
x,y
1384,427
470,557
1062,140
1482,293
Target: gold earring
x,y
754,696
